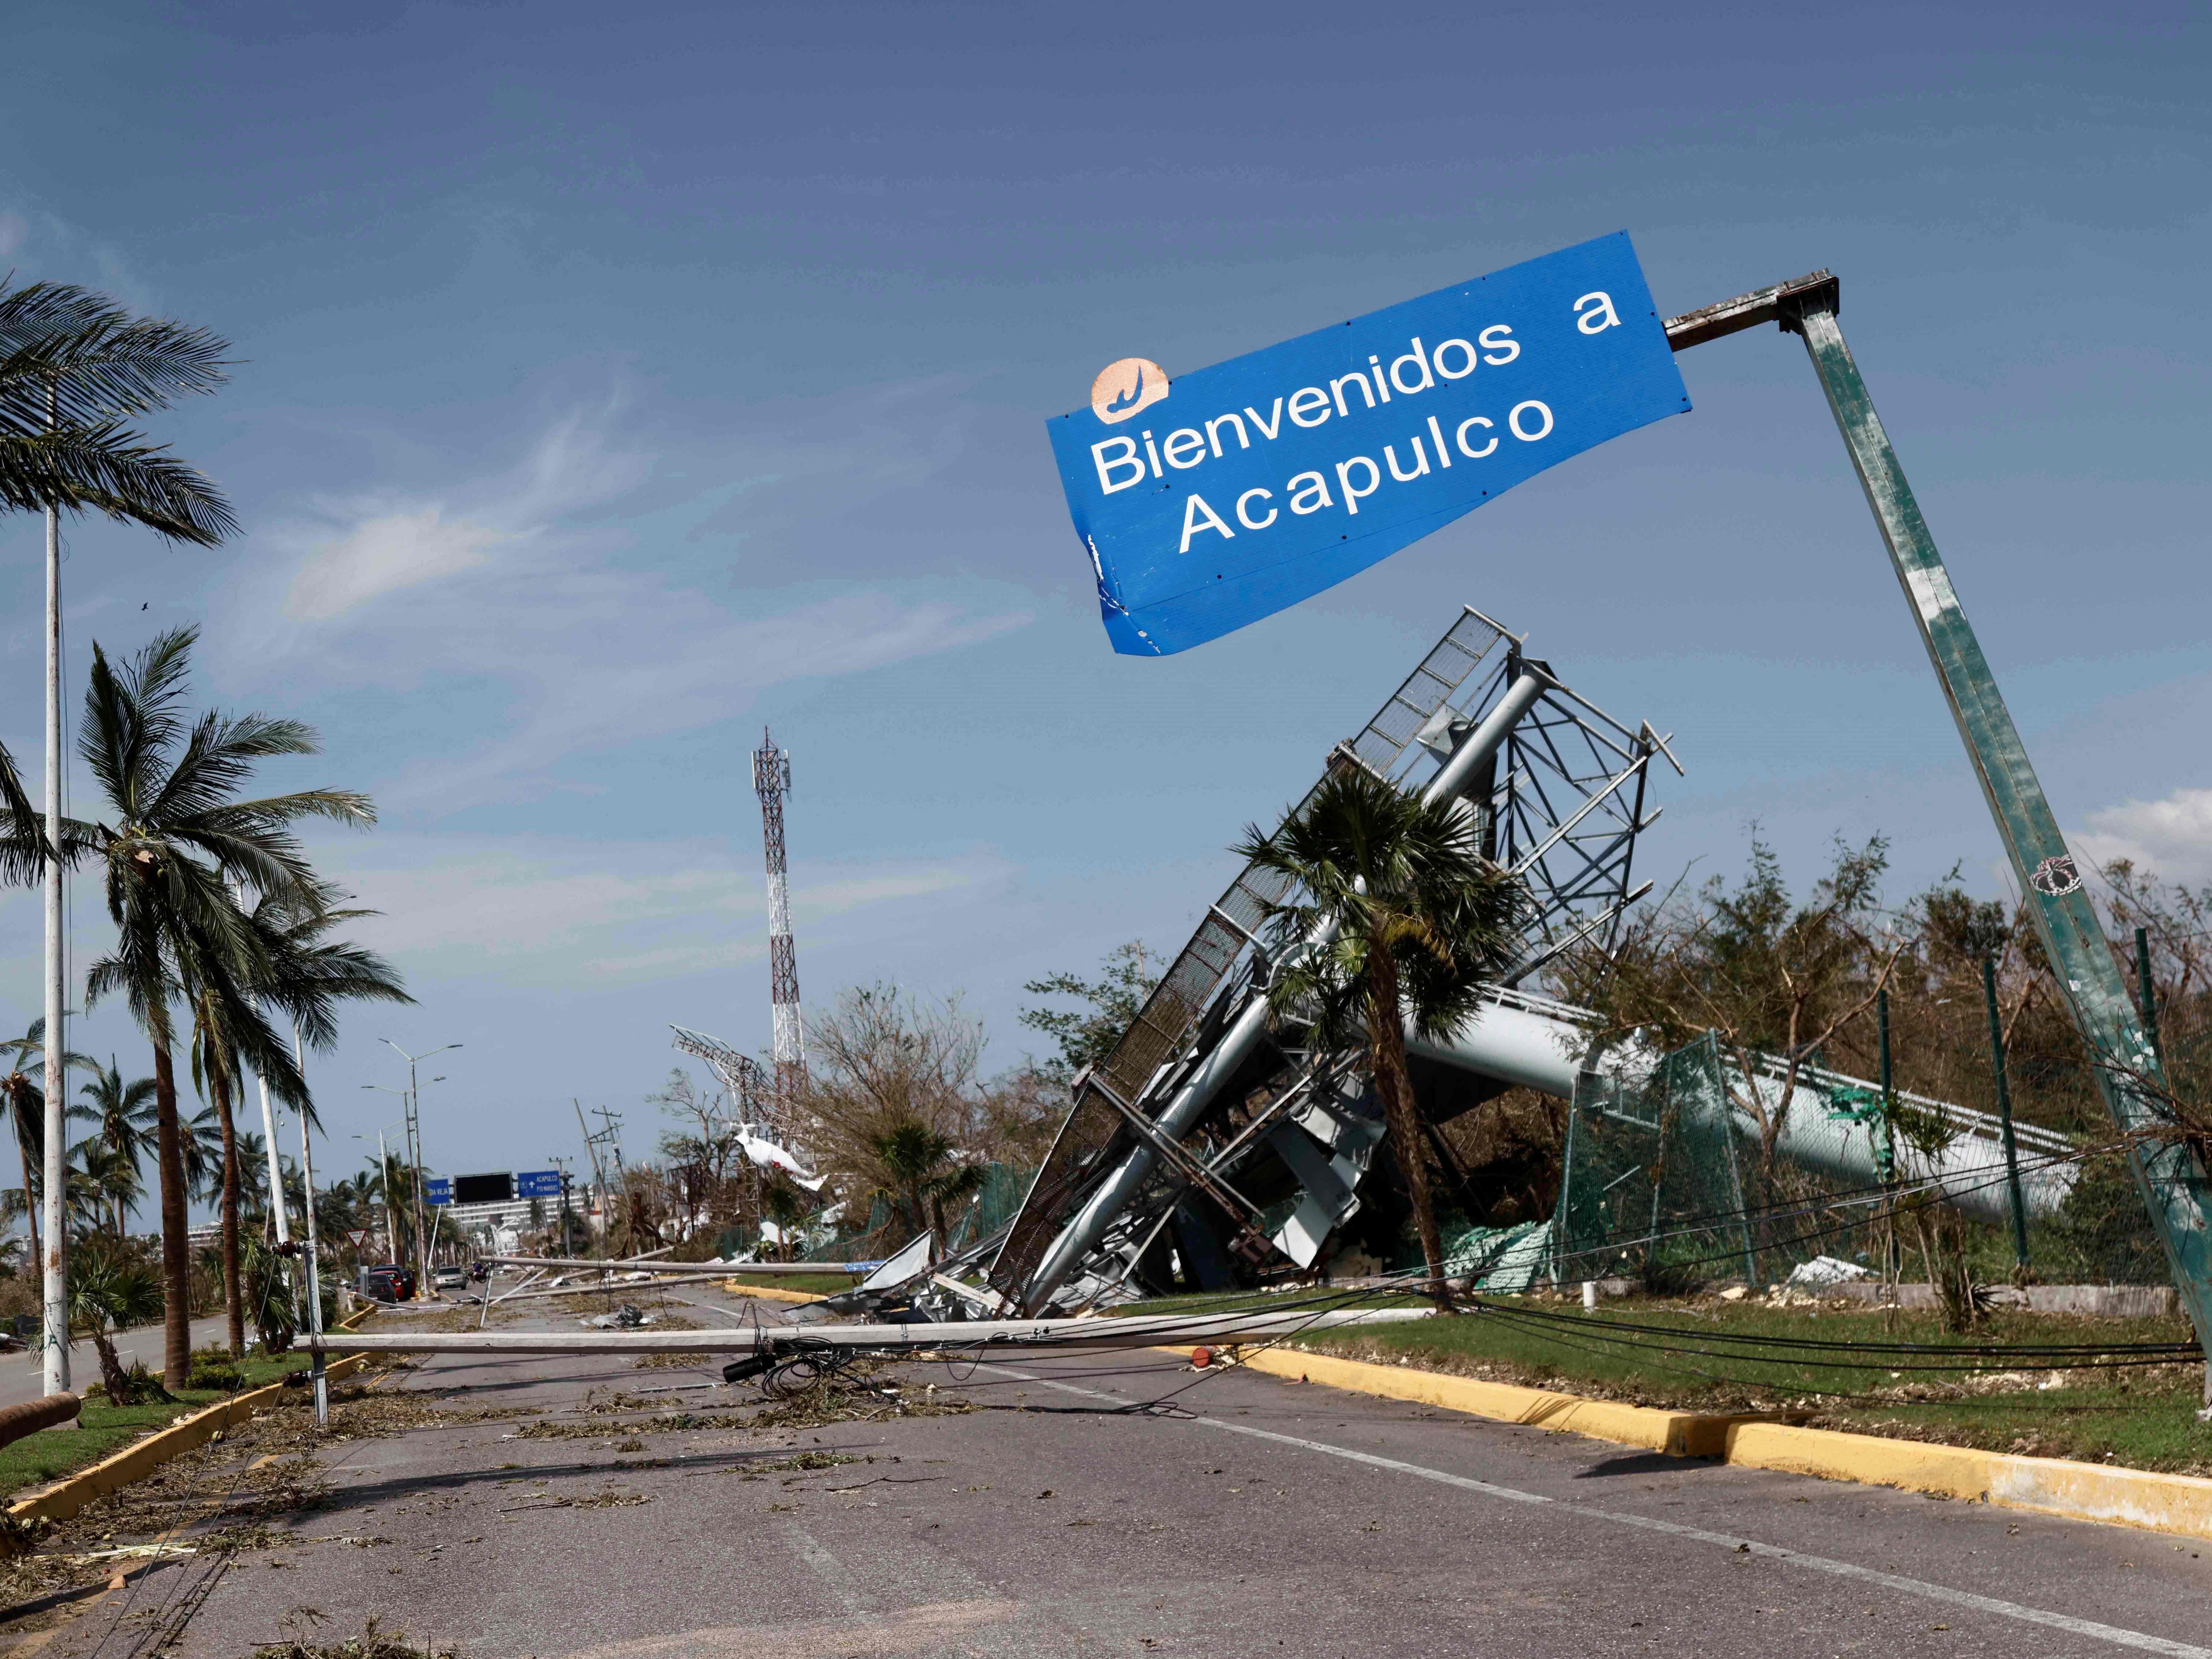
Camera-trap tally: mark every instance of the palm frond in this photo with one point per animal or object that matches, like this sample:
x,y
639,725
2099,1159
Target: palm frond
x,y
99,359
111,470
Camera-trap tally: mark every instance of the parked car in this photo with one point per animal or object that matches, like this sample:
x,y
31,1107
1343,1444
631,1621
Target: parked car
x,y
387,1282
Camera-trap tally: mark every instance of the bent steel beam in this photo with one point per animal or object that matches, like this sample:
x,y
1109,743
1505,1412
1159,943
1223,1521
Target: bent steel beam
x,y
1081,1235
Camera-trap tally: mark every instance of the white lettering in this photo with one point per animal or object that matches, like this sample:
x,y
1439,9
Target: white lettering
x,y
1313,497
1213,432
1466,350
1467,449
1247,520
1353,497
1336,390
1504,344
1184,448
1375,368
1106,462
1306,401
1419,361
1154,454
1444,453
1194,509
1601,318
1514,421
1391,458
1271,427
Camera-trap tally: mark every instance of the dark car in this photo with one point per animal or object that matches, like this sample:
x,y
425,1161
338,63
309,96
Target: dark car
x,y
388,1282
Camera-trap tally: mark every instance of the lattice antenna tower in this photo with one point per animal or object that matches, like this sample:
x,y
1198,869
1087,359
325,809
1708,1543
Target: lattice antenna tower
x,y
771,782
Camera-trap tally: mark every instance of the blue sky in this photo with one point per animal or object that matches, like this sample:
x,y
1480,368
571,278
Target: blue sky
x,y
614,380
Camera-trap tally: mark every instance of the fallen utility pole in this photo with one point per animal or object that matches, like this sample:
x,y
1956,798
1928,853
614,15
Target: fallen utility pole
x,y
1067,1335
704,1269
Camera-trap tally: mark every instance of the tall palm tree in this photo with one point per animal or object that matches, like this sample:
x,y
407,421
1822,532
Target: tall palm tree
x,y
22,828
1395,916
311,972
23,1086
103,1186
180,837
74,368
122,1116
299,971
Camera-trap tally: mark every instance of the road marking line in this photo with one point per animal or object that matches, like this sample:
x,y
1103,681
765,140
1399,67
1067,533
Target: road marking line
x,y
835,1577
2140,1641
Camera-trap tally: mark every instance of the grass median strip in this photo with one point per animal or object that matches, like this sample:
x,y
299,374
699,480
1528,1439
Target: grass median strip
x,y
1721,1358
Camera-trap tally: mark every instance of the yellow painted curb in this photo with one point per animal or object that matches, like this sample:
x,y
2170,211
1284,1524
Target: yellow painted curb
x,y
141,1458
2049,1485
767,1293
1678,1434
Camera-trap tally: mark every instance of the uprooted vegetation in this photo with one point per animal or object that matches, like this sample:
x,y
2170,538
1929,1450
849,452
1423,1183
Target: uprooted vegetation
x,y
220,1497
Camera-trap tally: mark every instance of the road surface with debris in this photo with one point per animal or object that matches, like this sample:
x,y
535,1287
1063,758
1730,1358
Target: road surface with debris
x,y
1237,1515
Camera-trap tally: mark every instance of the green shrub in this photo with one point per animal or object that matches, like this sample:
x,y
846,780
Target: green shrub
x,y
214,1368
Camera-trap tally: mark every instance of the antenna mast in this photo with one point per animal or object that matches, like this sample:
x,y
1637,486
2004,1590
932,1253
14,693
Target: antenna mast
x,y
771,782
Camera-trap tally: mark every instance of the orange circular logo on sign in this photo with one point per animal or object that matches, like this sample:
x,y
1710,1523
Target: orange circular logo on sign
x,y
1123,388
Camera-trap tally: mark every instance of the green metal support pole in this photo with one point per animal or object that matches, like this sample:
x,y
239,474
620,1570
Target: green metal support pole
x,y
2147,992
1885,1159
2004,1116
2171,1178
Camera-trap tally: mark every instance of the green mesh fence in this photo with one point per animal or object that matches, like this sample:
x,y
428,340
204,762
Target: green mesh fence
x,y
1664,1185
1653,1187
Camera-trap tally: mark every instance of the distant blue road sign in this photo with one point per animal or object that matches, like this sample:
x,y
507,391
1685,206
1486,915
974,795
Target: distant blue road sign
x,y
436,1190
537,1184
1234,491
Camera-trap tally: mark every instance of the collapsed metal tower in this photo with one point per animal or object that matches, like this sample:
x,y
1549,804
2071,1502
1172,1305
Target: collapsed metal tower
x,y
771,782
1200,1101
753,1097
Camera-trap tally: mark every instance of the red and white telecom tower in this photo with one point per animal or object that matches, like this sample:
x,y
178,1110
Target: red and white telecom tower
x,y
771,782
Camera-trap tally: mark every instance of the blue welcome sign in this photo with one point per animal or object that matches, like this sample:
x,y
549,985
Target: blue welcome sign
x,y
1216,498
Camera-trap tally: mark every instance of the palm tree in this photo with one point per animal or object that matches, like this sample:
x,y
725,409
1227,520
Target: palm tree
x,y
123,1115
180,837
22,828
73,367
924,1174
102,1185
24,1087
110,1291
1398,917
310,973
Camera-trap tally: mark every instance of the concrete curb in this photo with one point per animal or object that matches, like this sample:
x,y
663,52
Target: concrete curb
x,y
141,1458
2179,1503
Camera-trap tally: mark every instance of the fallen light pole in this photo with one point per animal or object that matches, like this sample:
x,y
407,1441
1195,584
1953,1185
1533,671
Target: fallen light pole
x,y
1067,1335
698,1269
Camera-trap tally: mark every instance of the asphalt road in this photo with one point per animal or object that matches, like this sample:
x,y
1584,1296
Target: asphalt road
x,y
1251,1518
22,1375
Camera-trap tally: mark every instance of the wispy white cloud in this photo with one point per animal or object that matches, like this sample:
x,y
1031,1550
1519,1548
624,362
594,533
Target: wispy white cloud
x,y
545,913
573,585
2171,837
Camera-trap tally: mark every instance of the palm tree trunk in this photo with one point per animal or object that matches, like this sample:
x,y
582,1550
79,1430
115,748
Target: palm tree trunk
x,y
1386,1043
111,1374
233,1300
30,1203
176,1246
